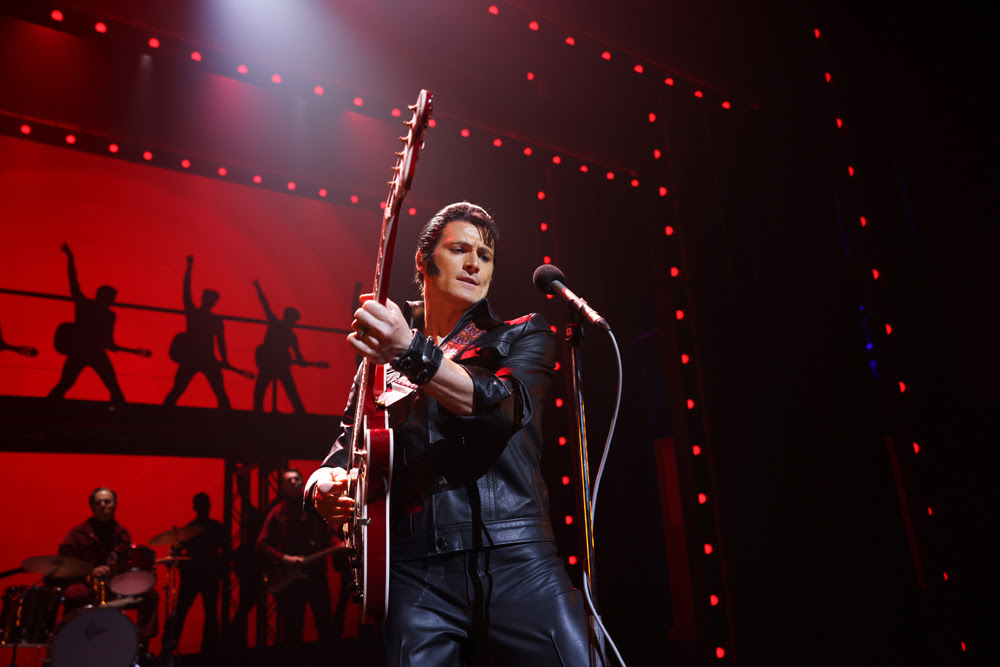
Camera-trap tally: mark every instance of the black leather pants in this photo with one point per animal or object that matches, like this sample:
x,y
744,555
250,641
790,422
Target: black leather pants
x,y
514,604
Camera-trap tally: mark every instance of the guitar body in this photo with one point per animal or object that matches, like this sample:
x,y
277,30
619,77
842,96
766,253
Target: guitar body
x,y
180,348
375,523
65,338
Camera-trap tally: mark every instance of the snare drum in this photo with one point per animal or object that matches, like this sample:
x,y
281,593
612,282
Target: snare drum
x,y
132,570
95,637
29,614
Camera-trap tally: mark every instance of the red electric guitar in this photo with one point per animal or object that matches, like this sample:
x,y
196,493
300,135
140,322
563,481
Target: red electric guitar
x,y
367,534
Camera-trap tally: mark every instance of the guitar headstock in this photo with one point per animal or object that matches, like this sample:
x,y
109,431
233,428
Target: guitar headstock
x,y
413,142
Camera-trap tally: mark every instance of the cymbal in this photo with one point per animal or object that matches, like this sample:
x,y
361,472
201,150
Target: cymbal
x,y
170,560
63,567
176,534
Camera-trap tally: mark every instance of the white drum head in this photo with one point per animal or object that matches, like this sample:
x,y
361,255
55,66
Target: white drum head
x,y
95,637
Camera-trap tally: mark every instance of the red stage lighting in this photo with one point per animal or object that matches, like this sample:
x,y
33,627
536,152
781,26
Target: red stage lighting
x,y
562,440
708,549
464,133
916,448
702,499
610,175
840,123
291,185
396,113
668,230
720,652
185,163
147,155
584,168
497,143
531,76
557,366
70,139
257,179
696,450
637,69
663,191
679,314
902,387
559,401
828,77
412,211
154,43
726,105
569,520
656,153
571,41
945,575
712,599
494,10
816,32
222,171
652,118
699,94
850,170
674,272
546,260
358,102
527,150
322,192
888,329
276,78
669,81
685,358
635,183
875,274
864,220
556,159
381,205
432,123
242,69
565,480
25,129
113,148
196,56
541,195
606,55
354,199
690,404
571,560
930,512
319,90
533,26
100,27
544,226
56,15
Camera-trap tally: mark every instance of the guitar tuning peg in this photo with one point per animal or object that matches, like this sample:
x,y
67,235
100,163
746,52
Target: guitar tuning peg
x,y
411,107
408,123
403,139
391,183
400,154
397,169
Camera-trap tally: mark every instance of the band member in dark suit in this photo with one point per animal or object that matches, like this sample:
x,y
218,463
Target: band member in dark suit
x,y
274,361
474,569
90,337
288,537
195,348
202,575
94,541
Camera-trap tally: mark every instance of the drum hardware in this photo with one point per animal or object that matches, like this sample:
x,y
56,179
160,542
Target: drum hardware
x,y
175,535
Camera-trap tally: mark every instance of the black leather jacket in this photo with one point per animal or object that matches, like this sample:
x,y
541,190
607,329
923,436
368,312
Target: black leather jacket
x,y
471,482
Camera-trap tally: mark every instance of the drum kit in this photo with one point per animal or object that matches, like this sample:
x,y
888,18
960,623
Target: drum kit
x,y
98,634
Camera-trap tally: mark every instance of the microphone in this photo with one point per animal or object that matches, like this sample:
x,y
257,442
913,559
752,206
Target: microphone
x,y
549,280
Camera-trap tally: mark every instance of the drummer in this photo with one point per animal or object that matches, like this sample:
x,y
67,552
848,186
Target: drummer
x,y
94,541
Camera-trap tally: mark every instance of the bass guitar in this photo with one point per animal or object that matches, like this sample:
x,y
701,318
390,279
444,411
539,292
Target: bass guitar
x,y
181,352
67,342
278,576
367,533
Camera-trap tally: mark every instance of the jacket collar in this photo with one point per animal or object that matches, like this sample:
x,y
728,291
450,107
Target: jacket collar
x,y
481,313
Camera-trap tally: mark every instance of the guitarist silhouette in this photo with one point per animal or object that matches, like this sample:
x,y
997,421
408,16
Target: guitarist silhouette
x,y
194,348
86,340
274,362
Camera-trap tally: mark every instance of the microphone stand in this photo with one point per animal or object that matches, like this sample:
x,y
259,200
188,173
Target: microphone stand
x,y
574,339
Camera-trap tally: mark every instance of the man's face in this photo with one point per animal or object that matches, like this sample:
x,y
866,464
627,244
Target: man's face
x,y
103,506
291,485
465,266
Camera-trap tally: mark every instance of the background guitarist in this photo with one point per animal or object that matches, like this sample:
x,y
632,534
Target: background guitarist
x,y
274,362
194,349
288,536
89,337
474,570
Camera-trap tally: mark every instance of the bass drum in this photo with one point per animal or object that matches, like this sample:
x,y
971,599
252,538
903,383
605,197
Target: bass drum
x,y
95,637
29,614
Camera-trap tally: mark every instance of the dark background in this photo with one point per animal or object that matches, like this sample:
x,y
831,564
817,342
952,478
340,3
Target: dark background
x,y
808,460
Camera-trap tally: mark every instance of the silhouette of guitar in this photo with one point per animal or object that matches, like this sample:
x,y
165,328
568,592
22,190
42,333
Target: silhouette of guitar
x,y
273,364
66,343
182,353
23,350
278,576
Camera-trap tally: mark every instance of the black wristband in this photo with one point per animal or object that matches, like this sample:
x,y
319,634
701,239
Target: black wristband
x,y
420,361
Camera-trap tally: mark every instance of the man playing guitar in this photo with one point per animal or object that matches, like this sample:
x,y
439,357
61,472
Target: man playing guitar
x,y
471,538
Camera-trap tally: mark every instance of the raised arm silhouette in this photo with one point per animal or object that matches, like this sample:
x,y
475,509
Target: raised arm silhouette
x,y
194,348
86,340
